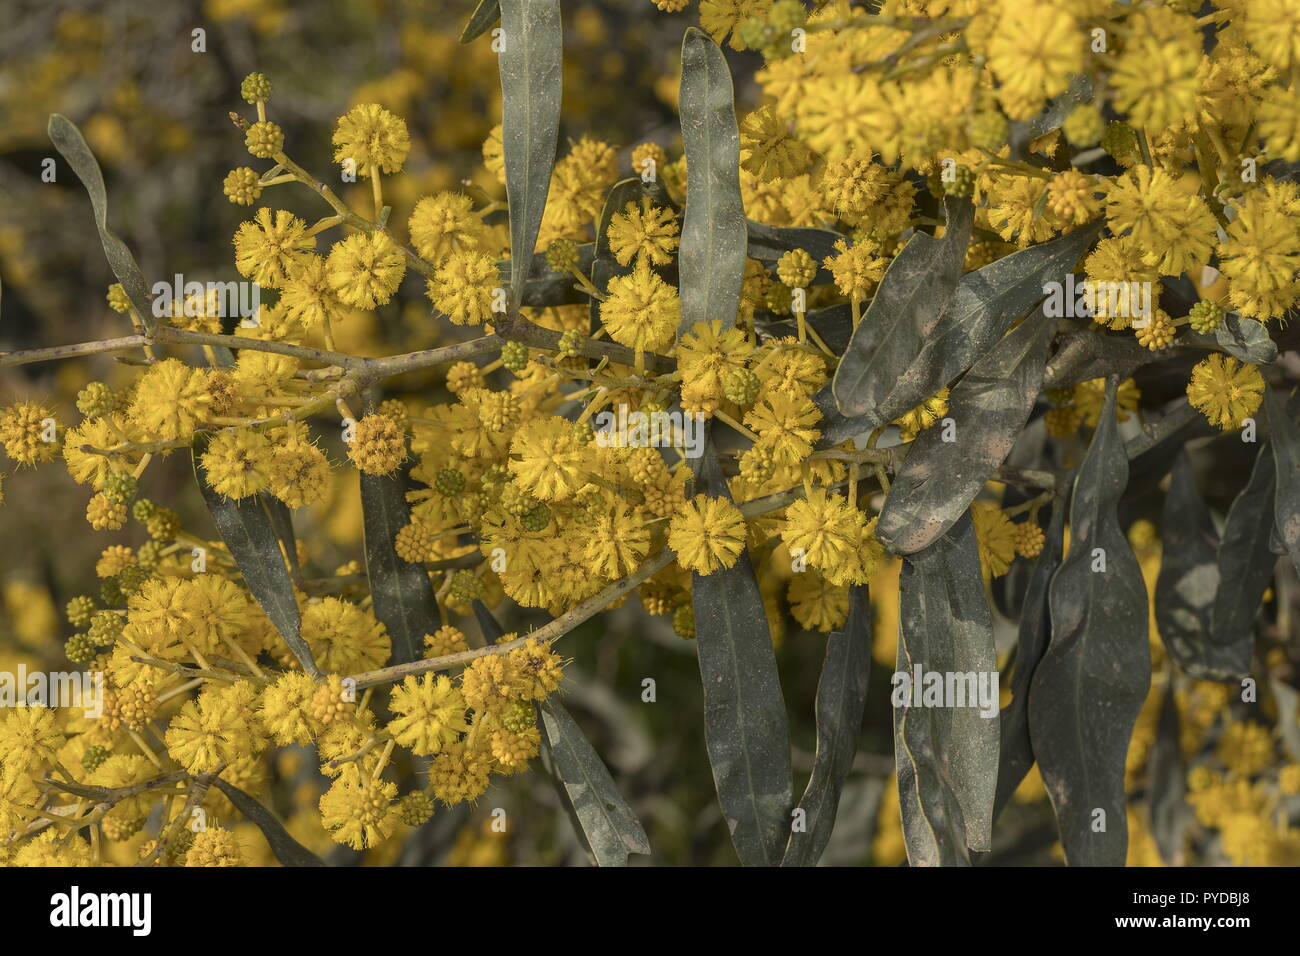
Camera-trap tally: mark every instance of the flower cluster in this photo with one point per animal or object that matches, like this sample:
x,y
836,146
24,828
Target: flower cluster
x,y
514,490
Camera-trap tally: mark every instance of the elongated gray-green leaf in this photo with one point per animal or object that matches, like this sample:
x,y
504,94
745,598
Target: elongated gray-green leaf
x,y
986,304
1286,459
711,258
947,466
1168,787
246,528
746,729
1017,749
912,296
609,826
1189,582
72,146
1245,561
530,116
1090,685
286,849
841,699
402,592
945,703
481,20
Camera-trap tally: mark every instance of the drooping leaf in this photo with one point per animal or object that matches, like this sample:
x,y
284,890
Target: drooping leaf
x,y
946,756
988,407
1088,688
1285,442
711,258
246,528
485,15
841,700
1168,786
916,289
769,243
746,729
286,849
402,592
1245,560
608,825
1017,750
1188,583
530,112
72,146
986,304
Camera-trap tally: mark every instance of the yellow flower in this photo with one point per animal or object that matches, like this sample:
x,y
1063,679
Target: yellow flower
x,y
817,604
298,473
344,638
642,311
1154,76
768,149
538,669
786,423
236,461
1246,748
707,534
844,114
464,287
431,714
359,811
443,224
1174,229
1036,49
284,709
1273,29
307,296
214,846
1261,256
171,399
820,527
26,430
365,269
647,233
856,268
721,17
923,416
546,459
378,445
1226,391
270,246
997,539
370,137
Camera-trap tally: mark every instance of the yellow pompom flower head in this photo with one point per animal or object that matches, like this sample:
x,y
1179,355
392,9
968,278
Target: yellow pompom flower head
x,y
369,137
1225,390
